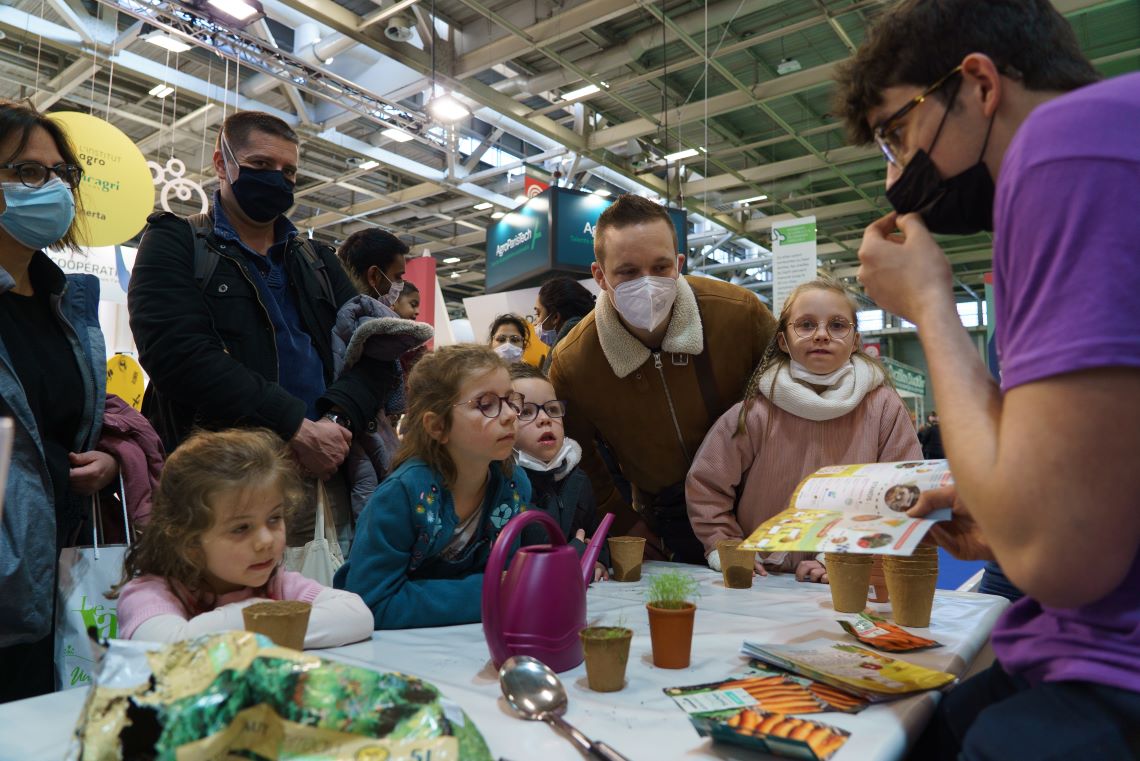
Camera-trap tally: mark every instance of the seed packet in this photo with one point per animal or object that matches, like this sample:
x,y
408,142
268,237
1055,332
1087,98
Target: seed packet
x,y
883,635
780,735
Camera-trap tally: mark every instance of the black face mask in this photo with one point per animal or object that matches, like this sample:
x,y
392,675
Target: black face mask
x,y
263,194
958,205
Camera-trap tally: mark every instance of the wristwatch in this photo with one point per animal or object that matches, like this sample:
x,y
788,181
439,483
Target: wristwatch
x,y
342,420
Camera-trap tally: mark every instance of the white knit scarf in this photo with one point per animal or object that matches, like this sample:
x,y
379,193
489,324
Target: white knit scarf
x,y
562,463
800,399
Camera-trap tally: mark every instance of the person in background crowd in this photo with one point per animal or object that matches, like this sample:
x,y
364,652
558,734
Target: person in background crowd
x,y
561,304
650,370
509,337
375,260
558,486
930,436
52,380
408,305
245,341
215,543
816,399
424,538
983,111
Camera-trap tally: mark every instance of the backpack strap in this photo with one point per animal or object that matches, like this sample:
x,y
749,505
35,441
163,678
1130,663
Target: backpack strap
x,y
205,257
311,253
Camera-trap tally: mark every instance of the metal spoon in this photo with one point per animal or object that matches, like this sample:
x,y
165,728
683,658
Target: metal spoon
x,y
536,694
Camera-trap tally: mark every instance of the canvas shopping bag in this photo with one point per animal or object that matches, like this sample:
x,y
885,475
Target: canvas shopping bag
x,y
320,558
85,575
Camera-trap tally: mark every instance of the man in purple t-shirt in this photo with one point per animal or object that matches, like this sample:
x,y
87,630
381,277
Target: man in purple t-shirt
x,y
990,118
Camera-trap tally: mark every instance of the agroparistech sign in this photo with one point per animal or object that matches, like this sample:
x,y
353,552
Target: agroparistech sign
x,y
518,246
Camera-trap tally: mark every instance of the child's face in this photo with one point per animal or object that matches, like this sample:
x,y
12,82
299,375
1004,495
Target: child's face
x,y
407,306
474,436
820,352
542,437
247,539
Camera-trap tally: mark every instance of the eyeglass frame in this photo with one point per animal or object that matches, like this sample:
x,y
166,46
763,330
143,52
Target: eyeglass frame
x,y
508,338
474,403
826,326
542,407
886,125
48,171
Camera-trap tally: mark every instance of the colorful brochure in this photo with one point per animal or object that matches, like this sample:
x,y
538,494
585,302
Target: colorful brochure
x,y
855,508
851,668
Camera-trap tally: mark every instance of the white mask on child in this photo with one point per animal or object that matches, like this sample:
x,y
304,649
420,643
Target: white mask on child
x,y
801,373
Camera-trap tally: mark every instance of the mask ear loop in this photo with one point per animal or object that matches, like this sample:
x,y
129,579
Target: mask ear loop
x,y
226,150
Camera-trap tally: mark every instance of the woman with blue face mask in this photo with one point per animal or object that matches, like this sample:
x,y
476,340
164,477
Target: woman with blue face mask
x,y
561,304
52,380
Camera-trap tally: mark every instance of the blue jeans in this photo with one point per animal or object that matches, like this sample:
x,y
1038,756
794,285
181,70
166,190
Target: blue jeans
x,y
996,717
995,582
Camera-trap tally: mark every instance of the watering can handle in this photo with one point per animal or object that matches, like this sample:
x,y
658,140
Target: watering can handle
x,y
493,573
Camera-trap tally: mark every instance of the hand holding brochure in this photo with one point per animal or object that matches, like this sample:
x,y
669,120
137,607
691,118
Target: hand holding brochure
x,y
855,508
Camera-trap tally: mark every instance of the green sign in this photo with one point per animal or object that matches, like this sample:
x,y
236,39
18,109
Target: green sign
x,y
788,236
906,377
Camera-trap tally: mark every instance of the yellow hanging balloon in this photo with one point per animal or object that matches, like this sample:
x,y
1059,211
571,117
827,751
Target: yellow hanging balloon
x,y
117,190
125,379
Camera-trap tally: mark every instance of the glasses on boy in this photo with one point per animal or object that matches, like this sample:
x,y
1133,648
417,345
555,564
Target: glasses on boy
x,y
555,408
887,134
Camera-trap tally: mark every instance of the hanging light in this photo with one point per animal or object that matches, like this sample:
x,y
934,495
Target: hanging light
x,y
166,41
241,12
446,109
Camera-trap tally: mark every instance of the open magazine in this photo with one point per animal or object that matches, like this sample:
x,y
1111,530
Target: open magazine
x,y
855,508
854,669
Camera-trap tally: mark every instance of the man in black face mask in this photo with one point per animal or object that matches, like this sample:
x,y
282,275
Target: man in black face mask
x,y
989,116
232,312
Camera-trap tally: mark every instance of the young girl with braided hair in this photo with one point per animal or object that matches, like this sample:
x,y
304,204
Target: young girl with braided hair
x,y
816,399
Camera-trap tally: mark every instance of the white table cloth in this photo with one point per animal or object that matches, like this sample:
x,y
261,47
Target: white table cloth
x,y
639,721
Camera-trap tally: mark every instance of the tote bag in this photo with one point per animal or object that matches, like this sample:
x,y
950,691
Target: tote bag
x,y
85,575
320,558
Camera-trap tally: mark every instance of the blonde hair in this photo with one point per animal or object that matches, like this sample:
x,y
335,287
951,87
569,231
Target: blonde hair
x,y
433,386
205,465
775,357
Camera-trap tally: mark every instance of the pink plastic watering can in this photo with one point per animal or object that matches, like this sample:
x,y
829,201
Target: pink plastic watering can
x,y
539,607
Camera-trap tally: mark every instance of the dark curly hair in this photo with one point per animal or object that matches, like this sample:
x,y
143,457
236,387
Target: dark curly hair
x,y
566,297
367,248
510,319
918,41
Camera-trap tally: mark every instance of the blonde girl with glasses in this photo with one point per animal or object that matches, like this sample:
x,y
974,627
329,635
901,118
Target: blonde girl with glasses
x,y
423,539
816,399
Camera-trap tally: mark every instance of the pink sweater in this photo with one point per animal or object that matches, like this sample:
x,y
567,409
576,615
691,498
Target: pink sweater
x,y
738,482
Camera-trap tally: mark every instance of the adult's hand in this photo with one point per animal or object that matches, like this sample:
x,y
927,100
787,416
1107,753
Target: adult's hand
x,y
960,536
91,471
905,273
320,447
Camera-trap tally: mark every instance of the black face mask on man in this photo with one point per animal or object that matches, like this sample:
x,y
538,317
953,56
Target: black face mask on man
x,y
958,205
262,194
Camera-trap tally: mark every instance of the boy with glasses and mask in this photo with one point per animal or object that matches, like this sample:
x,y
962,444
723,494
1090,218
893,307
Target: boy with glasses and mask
x,y
649,371
233,312
972,101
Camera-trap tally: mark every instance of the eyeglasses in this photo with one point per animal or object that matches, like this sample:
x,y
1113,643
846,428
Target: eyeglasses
x,y
503,338
886,134
33,174
555,408
837,327
491,405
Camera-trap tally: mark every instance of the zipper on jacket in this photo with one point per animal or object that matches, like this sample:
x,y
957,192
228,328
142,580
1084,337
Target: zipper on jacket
x,y
260,303
669,398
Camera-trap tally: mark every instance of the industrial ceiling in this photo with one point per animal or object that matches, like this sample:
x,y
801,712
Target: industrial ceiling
x,y
595,92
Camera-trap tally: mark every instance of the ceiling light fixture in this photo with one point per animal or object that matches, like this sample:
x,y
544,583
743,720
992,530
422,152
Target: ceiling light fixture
x,y
166,41
581,92
603,192
685,154
161,90
452,260
521,199
446,109
498,215
244,11
397,134
753,199
369,164
787,66
483,206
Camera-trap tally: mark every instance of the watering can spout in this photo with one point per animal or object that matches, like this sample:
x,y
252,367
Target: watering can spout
x,y
591,555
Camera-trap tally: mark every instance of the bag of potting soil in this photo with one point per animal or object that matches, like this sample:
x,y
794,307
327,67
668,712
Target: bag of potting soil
x,y
237,695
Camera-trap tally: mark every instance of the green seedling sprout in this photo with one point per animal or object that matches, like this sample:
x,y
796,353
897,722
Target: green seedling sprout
x,y
671,589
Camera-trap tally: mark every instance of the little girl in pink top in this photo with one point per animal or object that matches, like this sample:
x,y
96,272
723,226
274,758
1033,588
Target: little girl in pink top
x,y
215,542
816,399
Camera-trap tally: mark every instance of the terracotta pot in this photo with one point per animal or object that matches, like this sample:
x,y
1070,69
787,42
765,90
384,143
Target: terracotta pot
x,y
671,631
607,654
